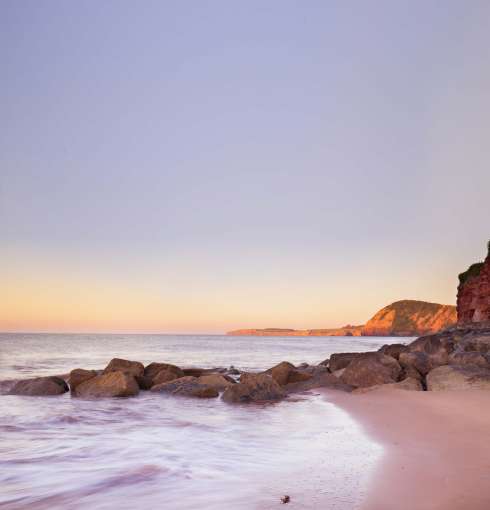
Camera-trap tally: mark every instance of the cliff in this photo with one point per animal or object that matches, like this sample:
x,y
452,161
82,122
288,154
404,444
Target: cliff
x,y
403,318
343,331
474,292
410,318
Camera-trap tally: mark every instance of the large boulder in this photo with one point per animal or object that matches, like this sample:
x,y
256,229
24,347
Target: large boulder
x,y
39,387
165,375
134,368
285,373
438,345
421,361
187,386
342,359
153,369
371,369
254,388
454,377
216,381
393,350
280,373
78,376
111,384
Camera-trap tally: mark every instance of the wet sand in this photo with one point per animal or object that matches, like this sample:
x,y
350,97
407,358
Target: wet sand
x,y
437,447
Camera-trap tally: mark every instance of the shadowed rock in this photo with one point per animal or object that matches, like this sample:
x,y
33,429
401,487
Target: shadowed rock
x,y
371,369
187,386
111,384
319,379
152,369
422,362
134,368
40,387
470,358
254,388
454,377
409,384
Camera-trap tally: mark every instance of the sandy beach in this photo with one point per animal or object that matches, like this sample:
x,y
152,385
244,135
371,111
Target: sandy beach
x,y
437,447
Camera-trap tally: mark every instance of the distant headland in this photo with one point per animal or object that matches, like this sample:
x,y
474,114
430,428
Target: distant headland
x,y
402,318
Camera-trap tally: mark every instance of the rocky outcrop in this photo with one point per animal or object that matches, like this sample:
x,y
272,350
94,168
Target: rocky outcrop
x,y
410,318
187,386
371,369
40,387
254,388
473,301
110,384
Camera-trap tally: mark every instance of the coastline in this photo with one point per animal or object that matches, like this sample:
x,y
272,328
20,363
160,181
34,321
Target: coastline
x,y
437,447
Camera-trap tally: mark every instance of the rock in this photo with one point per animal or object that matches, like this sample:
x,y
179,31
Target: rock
x,y
197,372
166,375
187,386
78,376
144,382
421,361
408,384
39,387
318,379
338,373
280,373
393,350
438,346
133,368
469,358
473,301
110,384
454,377
152,369
342,359
410,318
296,376
216,381
233,371
254,388
371,369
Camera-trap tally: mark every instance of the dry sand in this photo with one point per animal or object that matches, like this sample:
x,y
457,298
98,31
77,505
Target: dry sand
x,y
437,447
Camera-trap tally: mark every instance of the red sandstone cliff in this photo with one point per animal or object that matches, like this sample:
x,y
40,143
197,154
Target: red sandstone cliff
x,y
474,292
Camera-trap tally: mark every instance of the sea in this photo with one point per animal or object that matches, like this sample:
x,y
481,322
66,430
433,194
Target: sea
x,y
177,453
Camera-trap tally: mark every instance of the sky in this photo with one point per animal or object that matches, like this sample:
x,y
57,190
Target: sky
x,y
200,166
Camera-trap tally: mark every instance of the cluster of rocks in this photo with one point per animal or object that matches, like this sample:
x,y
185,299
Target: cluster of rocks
x,y
456,358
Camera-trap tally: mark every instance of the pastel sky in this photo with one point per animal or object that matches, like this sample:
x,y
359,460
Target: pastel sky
x,y
199,166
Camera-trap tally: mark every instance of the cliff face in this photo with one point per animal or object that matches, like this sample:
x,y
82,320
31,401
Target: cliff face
x,y
474,292
410,318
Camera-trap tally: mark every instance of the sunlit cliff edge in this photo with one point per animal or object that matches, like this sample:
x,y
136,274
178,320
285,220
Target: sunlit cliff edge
x,y
402,318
